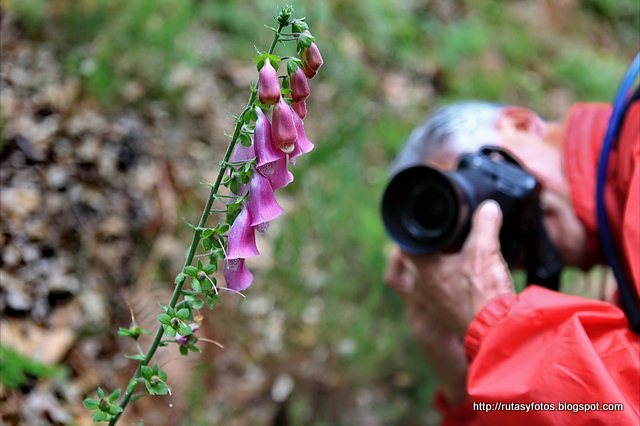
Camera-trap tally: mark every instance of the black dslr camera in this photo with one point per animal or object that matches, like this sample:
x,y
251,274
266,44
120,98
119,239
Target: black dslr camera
x,y
426,210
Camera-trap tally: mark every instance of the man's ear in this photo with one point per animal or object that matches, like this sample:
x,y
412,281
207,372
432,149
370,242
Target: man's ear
x,y
517,119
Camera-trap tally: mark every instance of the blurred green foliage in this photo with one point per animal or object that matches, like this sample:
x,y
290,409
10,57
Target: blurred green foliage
x,y
15,369
333,242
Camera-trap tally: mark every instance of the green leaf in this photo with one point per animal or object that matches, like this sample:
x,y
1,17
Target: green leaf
x,y
184,330
245,139
210,268
210,301
158,389
194,348
250,116
169,331
91,404
100,392
299,25
206,286
183,314
100,416
216,243
180,278
197,303
199,265
196,285
206,244
233,186
191,270
136,357
114,395
218,253
136,396
146,372
125,332
207,233
115,409
162,375
305,40
164,319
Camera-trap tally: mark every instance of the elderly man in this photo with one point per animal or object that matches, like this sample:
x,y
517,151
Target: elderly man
x,y
489,345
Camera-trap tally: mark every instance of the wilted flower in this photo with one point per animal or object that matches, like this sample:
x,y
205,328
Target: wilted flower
x,y
242,240
300,108
236,274
299,85
303,144
269,86
262,204
283,131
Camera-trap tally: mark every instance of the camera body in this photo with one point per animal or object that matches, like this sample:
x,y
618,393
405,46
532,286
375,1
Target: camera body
x,y
426,210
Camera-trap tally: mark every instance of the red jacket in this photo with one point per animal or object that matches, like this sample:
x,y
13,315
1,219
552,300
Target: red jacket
x,y
542,346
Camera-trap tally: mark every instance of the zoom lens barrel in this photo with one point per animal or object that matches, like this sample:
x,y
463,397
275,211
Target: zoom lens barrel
x,y
427,210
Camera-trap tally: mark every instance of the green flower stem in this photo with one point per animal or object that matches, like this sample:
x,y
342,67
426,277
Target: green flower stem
x,y
213,194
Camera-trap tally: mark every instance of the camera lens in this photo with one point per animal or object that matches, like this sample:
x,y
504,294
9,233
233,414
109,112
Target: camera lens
x,y
431,211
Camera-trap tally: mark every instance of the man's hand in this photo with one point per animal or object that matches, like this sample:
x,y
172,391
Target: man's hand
x,y
442,347
454,287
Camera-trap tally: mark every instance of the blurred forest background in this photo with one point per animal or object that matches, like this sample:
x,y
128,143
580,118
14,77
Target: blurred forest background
x,y
113,111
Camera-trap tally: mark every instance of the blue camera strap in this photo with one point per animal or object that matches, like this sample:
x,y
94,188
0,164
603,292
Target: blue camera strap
x,y
623,101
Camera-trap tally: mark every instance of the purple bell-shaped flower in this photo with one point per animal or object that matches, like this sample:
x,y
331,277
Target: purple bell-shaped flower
x,y
237,275
262,204
242,153
242,239
277,172
303,144
299,85
272,162
269,86
300,108
283,130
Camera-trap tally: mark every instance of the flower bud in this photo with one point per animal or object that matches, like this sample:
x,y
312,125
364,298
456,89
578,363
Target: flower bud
x,y
269,86
300,108
283,130
308,72
299,85
182,340
312,57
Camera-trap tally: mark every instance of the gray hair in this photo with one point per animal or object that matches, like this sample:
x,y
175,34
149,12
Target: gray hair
x,y
455,129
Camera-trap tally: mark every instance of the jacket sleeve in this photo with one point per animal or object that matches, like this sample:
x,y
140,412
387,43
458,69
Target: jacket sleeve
x,y
546,347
